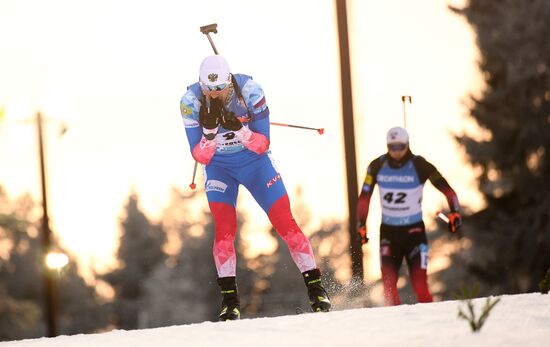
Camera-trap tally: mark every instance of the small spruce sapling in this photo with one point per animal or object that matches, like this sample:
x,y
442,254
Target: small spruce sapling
x,y
467,295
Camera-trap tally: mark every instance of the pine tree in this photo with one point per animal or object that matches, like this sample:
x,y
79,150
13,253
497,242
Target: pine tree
x,y
510,248
139,251
21,297
19,310
183,289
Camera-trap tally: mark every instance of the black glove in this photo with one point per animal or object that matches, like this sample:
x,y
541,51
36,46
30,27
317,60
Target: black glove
x,y
210,120
230,122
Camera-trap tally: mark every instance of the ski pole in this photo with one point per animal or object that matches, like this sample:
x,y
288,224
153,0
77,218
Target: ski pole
x,y
442,216
206,30
212,28
404,99
193,185
321,131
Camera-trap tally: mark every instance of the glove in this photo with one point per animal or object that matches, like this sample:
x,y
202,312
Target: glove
x,y
230,122
362,231
455,221
210,120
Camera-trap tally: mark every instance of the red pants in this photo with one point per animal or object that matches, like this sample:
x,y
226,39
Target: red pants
x,y
225,219
409,242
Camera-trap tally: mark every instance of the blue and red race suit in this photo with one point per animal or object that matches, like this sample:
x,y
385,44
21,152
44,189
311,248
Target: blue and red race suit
x,y
242,157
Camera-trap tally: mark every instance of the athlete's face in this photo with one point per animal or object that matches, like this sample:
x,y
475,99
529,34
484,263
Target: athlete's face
x,y
219,91
397,150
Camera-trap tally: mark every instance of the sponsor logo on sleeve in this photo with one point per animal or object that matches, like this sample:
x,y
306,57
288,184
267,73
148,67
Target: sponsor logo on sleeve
x,y
368,180
186,110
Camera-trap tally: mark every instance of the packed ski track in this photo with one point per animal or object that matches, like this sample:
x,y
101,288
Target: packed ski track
x,y
518,320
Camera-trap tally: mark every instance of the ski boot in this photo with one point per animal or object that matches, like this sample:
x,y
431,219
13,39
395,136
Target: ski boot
x,y
231,306
318,297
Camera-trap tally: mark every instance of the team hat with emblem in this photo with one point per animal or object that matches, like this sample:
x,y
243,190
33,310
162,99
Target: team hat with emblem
x,y
214,71
397,135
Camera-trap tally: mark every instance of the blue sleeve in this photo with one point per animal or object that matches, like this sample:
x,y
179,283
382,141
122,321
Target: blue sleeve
x,y
257,107
189,107
260,123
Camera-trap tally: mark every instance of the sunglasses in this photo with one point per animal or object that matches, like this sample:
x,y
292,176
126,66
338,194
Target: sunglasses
x,y
397,146
216,88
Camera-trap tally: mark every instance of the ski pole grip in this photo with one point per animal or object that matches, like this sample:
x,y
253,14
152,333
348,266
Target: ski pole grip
x,y
210,28
443,217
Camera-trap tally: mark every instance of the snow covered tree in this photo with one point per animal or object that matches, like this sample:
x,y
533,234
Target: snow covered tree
x,y
183,289
139,251
510,238
19,316
21,296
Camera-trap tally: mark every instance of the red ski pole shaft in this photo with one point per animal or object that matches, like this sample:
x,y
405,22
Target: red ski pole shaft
x,y
193,185
319,130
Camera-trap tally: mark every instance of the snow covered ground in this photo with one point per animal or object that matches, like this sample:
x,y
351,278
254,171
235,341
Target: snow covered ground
x,y
518,320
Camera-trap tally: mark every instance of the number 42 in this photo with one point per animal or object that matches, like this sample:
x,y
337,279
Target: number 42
x,y
399,197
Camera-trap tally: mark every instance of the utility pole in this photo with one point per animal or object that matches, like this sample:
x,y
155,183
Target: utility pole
x,y
48,281
349,142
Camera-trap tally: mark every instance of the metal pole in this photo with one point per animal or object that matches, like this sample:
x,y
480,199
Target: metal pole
x,y
48,290
349,142
404,115
404,99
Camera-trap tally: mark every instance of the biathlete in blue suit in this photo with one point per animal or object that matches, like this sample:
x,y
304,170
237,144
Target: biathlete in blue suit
x,y
401,176
226,119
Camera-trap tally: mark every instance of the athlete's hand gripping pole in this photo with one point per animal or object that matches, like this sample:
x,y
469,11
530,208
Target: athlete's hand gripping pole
x,y
453,220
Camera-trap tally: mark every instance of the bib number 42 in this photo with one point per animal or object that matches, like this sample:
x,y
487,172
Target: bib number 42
x,y
396,198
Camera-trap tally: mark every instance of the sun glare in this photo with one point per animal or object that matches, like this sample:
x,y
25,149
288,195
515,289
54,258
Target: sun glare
x,y
56,260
